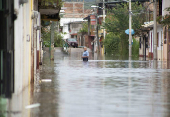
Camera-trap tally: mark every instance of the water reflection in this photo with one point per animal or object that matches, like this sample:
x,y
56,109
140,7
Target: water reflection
x,y
46,90
105,86
111,87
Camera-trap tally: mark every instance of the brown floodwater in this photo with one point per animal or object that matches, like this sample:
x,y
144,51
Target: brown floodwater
x,y
105,86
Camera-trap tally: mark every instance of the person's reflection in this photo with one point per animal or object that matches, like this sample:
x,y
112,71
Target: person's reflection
x,y
86,64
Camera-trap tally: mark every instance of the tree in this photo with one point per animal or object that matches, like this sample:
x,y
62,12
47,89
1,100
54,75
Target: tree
x,y
46,35
111,43
58,39
117,21
165,20
84,29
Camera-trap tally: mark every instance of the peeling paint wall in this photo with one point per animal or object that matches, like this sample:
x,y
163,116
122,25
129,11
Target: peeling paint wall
x,y
24,42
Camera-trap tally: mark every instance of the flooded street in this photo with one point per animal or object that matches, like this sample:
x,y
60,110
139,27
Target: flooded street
x,y
69,87
43,44
105,86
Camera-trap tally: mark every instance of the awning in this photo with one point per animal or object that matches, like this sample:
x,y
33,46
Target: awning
x,y
148,24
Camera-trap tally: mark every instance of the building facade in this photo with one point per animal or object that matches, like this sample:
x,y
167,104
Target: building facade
x,y
163,38
20,41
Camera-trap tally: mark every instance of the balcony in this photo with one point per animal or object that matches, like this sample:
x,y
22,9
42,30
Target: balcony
x,y
50,9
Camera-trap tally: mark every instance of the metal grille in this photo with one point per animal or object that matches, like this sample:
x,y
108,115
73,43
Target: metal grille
x,y
7,49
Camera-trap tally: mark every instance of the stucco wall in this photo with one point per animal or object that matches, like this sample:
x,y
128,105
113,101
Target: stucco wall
x,y
75,27
165,4
23,38
160,40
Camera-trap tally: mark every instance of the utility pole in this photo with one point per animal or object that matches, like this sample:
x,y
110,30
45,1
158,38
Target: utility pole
x,y
98,44
104,22
155,31
130,27
52,41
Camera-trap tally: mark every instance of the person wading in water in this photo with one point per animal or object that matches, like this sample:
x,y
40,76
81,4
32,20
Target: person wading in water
x,y
85,54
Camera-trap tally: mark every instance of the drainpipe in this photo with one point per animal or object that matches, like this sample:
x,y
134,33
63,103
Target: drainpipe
x,y
35,46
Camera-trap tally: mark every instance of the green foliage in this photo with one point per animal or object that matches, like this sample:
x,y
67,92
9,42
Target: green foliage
x,y
46,43
46,35
50,3
58,39
111,43
135,47
165,20
84,28
117,21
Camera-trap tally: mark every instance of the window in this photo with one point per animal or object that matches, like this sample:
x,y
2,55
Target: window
x,y
160,7
158,39
165,35
147,44
140,42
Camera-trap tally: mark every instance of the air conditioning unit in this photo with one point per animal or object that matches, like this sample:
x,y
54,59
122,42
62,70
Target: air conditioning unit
x,y
23,1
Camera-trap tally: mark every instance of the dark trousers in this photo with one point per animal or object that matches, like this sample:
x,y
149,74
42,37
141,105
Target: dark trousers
x,y
85,59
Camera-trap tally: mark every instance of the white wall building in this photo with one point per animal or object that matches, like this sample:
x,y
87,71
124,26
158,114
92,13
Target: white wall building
x,y
64,23
159,42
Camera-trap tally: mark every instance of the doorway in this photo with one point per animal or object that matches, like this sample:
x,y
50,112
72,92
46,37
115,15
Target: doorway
x,y
6,48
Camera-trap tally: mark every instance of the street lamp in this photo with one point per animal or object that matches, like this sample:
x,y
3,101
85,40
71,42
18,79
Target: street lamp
x,y
94,6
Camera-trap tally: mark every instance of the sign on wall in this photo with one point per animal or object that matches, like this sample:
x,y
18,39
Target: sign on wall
x,y
93,19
